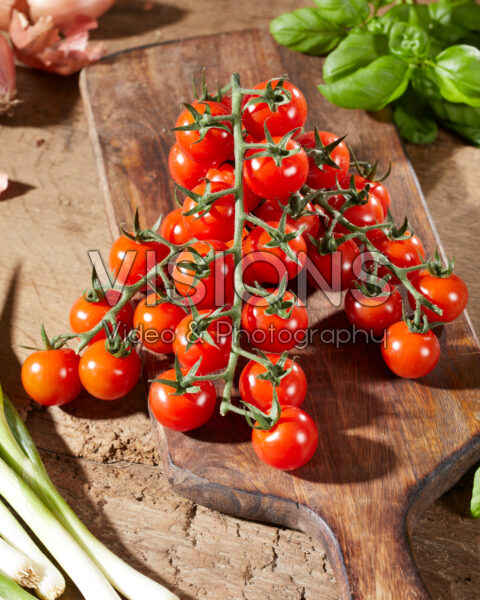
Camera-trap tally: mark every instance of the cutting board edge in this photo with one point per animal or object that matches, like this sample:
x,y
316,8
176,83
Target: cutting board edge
x,y
252,506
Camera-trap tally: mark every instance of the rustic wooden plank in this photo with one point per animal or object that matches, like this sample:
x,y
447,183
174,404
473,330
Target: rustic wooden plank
x,y
386,445
57,189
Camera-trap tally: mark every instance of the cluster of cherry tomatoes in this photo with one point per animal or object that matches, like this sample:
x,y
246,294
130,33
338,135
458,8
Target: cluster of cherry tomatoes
x,y
282,230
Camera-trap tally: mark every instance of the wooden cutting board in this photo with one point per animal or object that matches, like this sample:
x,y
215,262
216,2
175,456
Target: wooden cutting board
x,y
388,447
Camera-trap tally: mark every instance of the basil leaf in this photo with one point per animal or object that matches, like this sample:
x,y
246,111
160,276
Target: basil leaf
x,y
344,12
475,502
454,19
463,119
463,13
408,41
457,72
357,50
307,30
412,118
425,83
370,88
399,12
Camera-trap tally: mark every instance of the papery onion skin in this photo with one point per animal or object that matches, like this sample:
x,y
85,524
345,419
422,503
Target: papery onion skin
x,y
7,77
6,8
40,45
64,12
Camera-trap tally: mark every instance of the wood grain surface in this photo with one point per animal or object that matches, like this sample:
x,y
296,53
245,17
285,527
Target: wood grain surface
x,y
388,447
103,456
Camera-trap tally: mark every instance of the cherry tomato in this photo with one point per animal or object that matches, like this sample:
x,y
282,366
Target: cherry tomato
x,y
271,210
105,376
145,256
373,314
325,176
377,189
174,227
213,358
269,265
156,321
216,224
217,144
84,315
448,293
401,253
181,412
226,173
291,390
290,444
408,354
362,215
272,333
185,171
337,269
50,377
276,183
217,288
288,116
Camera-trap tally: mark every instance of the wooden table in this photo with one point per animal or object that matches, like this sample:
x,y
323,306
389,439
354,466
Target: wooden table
x,y
107,467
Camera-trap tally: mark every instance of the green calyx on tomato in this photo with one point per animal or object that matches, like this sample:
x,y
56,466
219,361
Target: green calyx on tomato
x,y
278,303
280,238
437,268
203,122
200,322
279,150
273,97
257,419
321,153
183,382
275,371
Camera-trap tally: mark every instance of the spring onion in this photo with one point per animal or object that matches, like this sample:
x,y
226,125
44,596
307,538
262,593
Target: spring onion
x,y
51,583
9,590
83,571
18,450
17,566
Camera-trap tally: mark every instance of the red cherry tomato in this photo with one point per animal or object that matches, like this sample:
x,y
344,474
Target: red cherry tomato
x,y
377,189
84,315
448,293
290,444
145,256
50,377
185,171
401,253
269,265
272,333
105,376
363,215
216,224
337,269
288,116
325,176
276,183
156,321
214,290
272,210
407,354
291,390
213,358
174,227
217,144
182,412
373,314
226,173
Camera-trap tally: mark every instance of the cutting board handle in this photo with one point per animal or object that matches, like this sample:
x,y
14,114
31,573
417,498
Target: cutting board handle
x,y
370,555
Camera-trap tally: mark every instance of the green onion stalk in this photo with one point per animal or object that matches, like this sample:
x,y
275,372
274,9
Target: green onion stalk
x,y
50,583
9,590
26,486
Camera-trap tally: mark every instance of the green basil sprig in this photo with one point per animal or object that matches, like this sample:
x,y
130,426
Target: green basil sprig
x,y
425,59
